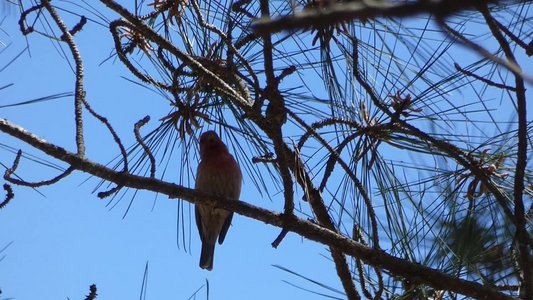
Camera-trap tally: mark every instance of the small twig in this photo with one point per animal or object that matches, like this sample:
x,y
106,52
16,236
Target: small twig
x,y
507,287
349,172
76,28
41,183
136,128
238,7
280,237
111,130
110,192
92,292
326,122
267,158
15,165
487,81
27,30
286,72
11,171
245,40
288,211
165,61
9,195
357,236
332,160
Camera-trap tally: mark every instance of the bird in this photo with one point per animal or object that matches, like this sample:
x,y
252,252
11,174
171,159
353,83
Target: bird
x,y
218,174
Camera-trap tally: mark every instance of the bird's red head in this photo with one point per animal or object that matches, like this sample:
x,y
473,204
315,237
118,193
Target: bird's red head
x,y
211,145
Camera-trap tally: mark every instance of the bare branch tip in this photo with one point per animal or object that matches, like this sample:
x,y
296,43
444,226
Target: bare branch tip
x,y
110,192
9,195
145,147
92,292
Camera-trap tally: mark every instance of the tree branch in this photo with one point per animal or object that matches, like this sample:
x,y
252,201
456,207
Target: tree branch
x,y
9,195
363,10
79,92
400,267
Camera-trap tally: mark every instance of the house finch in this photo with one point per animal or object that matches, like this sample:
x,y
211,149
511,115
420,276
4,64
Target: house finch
x,y
218,174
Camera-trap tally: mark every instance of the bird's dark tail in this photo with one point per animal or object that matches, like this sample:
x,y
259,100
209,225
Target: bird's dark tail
x,y
206,258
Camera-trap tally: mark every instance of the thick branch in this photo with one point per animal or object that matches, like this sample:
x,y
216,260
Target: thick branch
x,y
276,107
362,10
397,266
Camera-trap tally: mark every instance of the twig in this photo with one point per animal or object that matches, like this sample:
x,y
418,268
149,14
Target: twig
x,y
238,7
9,195
116,138
316,201
92,292
357,236
289,202
27,30
286,72
487,81
146,149
79,92
280,237
268,158
267,56
109,192
10,171
76,28
326,122
512,36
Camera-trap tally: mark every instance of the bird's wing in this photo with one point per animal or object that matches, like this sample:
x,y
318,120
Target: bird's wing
x,y
225,228
200,185
234,193
199,222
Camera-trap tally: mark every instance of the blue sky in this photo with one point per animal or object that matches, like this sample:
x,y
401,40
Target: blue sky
x,y
68,239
